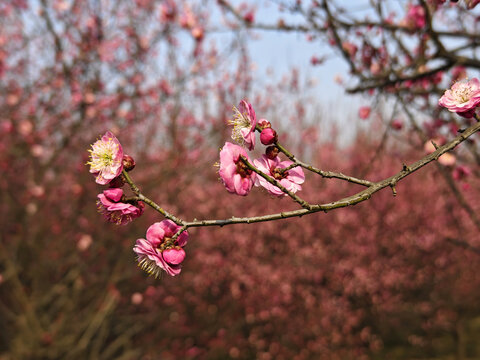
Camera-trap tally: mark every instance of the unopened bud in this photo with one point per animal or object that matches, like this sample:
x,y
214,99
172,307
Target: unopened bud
x,y
272,152
397,124
128,163
268,136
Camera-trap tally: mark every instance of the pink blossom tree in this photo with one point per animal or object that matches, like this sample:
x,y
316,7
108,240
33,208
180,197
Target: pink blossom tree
x,y
392,277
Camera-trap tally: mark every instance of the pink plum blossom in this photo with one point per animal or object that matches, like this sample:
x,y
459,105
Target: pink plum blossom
x,y
462,98
364,112
290,179
235,175
159,252
106,158
447,159
120,213
244,122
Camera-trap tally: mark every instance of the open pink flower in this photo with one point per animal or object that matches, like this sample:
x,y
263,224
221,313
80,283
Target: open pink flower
x,y
462,98
159,252
106,158
115,211
290,179
235,175
244,122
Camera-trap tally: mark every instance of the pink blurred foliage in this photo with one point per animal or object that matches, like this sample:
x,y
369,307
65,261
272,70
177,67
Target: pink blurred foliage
x,y
353,283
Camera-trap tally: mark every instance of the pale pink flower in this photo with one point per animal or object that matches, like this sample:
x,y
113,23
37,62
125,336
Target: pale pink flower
x,y
447,159
430,148
290,179
106,159
364,112
462,98
159,252
136,298
109,204
350,48
244,122
84,242
236,176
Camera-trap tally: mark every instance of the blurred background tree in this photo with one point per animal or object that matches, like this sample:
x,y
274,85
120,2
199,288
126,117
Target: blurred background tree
x,y
391,278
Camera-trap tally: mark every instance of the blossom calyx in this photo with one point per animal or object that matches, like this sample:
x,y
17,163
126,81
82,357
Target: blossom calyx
x,y
128,163
272,152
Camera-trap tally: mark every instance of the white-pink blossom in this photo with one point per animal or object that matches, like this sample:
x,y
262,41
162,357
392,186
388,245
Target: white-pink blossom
x,y
462,98
106,159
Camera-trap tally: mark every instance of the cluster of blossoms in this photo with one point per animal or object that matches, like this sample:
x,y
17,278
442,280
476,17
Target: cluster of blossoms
x,y
237,172
160,251
107,161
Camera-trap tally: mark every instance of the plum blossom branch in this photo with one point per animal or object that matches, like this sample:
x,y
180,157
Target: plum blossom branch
x,y
162,250
322,173
350,200
148,201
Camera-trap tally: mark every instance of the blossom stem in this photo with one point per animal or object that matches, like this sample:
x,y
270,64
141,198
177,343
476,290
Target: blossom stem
x,y
150,202
322,173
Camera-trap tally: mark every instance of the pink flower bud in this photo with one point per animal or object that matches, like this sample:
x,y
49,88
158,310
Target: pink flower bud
x,y
174,256
128,162
249,17
268,136
397,124
364,112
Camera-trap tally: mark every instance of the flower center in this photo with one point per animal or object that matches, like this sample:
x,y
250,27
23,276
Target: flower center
x,y
242,168
462,94
240,121
103,155
167,243
278,174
